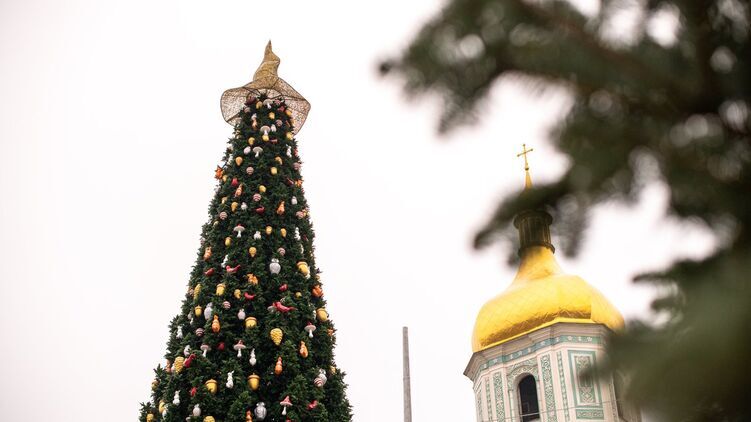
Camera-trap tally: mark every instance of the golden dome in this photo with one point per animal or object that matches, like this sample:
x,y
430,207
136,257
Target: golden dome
x,y
540,296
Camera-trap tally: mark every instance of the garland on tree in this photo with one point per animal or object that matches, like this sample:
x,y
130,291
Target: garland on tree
x,y
254,341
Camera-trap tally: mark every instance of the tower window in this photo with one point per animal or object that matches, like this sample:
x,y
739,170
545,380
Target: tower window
x,y
528,404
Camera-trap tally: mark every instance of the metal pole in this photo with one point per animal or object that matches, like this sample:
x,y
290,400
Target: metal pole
x,y
407,388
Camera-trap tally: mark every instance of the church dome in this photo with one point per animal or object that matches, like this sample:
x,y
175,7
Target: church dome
x,y
540,294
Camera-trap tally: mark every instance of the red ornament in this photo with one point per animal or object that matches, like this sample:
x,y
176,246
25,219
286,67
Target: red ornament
x,y
283,287
220,347
235,182
232,270
193,391
281,308
209,272
249,296
260,210
312,405
189,360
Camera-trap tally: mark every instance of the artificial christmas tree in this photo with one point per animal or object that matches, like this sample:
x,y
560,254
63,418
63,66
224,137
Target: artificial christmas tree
x,y
254,340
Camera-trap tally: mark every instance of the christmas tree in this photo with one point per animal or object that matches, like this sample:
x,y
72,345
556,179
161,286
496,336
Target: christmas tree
x,y
253,340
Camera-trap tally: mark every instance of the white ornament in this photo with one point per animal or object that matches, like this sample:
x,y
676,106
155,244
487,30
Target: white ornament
x,y
274,267
246,151
321,379
260,411
244,206
241,314
224,261
293,201
179,332
176,399
196,411
273,128
289,151
208,310
257,235
254,116
257,151
186,350
297,233
252,359
230,381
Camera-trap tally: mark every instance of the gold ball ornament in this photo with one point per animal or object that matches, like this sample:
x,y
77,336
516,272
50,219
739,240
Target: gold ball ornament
x,y
259,105
302,266
298,295
289,135
251,140
209,419
220,289
150,417
269,230
252,251
322,315
272,115
234,205
227,241
237,294
276,335
211,386
278,159
179,363
250,322
254,381
215,326
283,231
198,310
262,188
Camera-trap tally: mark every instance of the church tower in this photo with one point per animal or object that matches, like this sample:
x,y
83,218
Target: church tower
x,y
534,345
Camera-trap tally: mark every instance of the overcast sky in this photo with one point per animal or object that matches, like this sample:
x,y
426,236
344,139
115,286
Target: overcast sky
x,y
110,131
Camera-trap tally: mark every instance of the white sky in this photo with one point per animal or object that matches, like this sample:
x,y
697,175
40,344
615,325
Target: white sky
x,y
109,134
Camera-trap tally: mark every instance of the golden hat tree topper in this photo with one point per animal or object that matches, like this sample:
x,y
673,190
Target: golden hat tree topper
x,y
266,81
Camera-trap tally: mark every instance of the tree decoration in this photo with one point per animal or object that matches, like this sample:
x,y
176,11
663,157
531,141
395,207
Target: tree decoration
x,y
322,315
303,349
310,328
209,419
241,314
250,322
276,335
215,326
252,279
302,266
260,411
254,381
220,289
239,347
226,304
248,416
317,291
211,386
280,208
239,229
197,410
252,251
205,348
208,311
178,365
230,381
274,266
278,367
320,379
285,404
176,398
252,359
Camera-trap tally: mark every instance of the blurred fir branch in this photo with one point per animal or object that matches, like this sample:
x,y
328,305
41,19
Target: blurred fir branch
x,y
679,101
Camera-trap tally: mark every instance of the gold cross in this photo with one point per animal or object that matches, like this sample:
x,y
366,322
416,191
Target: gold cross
x,y
524,152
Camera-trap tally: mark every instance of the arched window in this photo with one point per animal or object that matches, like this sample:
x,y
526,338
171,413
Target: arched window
x,y
529,406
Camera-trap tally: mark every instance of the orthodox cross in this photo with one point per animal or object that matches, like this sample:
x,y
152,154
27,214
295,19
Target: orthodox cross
x,y
527,178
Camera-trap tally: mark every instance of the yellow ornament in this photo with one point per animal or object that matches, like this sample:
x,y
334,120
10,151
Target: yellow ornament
x,y
265,137
250,322
332,370
289,135
238,191
298,295
238,160
215,326
224,200
252,251
276,336
259,105
302,266
322,315
272,115
198,310
261,188
251,140
234,205
252,279
227,241
179,363
224,178
283,231
303,349
154,384
237,294
274,171
269,230
211,386
253,381
150,417
288,112
207,253
278,366
161,406
220,289
209,419
196,291
278,159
